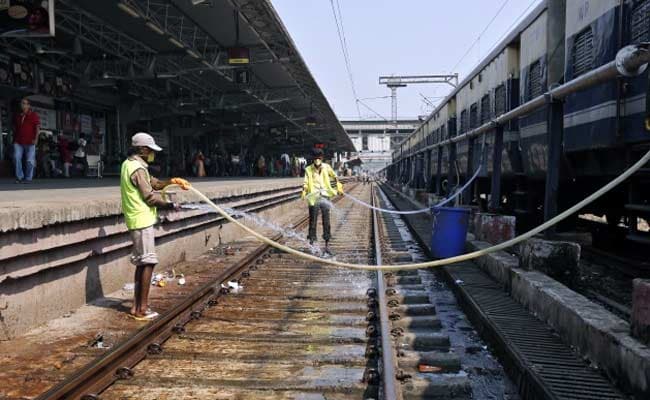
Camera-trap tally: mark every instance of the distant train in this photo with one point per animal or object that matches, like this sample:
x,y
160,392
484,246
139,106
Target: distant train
x,y
605,127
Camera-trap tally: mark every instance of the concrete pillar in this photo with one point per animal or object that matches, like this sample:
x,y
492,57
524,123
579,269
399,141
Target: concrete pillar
x,y
640,322
559,260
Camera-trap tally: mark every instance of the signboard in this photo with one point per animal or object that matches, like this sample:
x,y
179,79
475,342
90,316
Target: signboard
x,y
69,122
86,124
27,18
47,117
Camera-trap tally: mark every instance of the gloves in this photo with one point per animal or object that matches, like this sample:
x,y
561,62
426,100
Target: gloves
x,y
303,195
185,185
339,188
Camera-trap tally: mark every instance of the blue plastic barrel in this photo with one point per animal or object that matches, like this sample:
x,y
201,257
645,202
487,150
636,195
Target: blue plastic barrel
x,y
449,231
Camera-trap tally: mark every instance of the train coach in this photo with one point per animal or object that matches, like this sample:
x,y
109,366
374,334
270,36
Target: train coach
x,y
604,127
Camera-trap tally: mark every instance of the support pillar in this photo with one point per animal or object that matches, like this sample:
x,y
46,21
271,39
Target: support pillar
x,y
495,186
555,119
467,194
451,172
439,171
429,170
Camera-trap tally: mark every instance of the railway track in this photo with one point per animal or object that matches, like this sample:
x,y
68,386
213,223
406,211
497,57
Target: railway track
x,y
297,330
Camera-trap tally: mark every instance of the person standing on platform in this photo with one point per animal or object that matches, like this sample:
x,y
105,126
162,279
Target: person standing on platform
x,y
317,189
139,205
286,164
26,128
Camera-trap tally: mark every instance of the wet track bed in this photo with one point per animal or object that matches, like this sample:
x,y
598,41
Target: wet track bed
x,y
439,353
296,330
302,330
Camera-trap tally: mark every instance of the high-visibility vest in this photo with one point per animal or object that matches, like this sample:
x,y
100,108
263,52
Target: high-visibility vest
x,y
137,213
326,172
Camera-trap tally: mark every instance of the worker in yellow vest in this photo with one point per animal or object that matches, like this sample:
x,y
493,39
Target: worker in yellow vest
x,y
317,189
139,205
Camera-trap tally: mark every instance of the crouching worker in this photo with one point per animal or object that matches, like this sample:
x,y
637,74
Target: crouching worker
x,y
139,205
317,189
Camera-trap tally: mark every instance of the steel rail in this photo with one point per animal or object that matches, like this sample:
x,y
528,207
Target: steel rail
x,y
629,60
389,374
90,380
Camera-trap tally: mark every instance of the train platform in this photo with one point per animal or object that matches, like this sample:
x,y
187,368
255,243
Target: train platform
x,y
67,238
51,201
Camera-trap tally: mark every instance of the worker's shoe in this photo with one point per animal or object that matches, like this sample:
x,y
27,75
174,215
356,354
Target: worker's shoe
x,y
327,251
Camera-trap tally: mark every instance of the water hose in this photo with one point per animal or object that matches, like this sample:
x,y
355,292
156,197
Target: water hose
x,y
445,261
421,210
440,204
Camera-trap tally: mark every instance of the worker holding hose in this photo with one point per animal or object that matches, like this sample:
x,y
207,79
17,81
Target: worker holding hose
x,y
139,205
317,189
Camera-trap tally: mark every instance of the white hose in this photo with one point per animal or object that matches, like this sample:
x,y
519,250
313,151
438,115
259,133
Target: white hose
x,y
438,263
421,210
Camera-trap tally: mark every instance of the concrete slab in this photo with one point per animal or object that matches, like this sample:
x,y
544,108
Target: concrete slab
x,y
557,259
494,228
50,202
641,310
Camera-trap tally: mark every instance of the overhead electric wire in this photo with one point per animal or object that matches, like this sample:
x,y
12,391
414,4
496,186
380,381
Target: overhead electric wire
x,y
344,49
481,34
515,22
372,110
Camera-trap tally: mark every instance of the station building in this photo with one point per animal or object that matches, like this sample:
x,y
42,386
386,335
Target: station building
x,y
223,77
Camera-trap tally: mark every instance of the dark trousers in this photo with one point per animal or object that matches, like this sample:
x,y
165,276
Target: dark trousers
x,y
313,221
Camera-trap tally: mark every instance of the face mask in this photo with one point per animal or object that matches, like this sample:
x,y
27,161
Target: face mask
x,y
151,157
317,162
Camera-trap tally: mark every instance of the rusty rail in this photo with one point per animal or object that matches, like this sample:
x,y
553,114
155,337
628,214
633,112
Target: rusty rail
x,y
389,374
88,382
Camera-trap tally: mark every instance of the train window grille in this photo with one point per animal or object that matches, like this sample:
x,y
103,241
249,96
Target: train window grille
x,y
583,52
640,22
473,116
464,121
485,109
534,80
500,99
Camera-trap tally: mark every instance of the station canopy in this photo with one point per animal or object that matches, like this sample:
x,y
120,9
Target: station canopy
x,y
229,63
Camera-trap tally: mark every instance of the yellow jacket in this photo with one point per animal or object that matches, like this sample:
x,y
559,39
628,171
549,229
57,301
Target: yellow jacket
x,y
326,173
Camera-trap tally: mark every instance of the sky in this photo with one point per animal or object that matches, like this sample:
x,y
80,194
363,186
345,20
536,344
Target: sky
x,y
400,37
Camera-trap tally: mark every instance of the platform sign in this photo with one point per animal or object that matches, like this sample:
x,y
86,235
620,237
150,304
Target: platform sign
x,y
27,18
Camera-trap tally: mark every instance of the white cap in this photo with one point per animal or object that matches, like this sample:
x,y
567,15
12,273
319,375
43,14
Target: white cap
x,y
142,139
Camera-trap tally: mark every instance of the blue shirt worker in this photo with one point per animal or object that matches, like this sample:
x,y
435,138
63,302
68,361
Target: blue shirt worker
x,y
317,189
139,205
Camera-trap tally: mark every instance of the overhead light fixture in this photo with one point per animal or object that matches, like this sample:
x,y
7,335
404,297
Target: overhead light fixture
x,y
239,55
193,53
154,27
176,42
311,121
128,9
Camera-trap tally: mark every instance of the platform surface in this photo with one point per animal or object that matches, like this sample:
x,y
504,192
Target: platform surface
x,y
43,202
